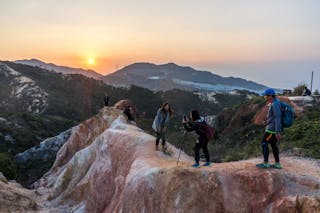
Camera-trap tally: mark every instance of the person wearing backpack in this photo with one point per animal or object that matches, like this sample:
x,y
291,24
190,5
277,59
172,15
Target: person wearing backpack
x,y
160,122
306,91
273,130
198,125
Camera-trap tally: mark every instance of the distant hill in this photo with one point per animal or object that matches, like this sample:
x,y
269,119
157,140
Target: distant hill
x,y
158,77
59,69
171,76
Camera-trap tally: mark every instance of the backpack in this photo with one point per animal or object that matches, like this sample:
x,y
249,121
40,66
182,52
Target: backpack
x,y
209,131
287,114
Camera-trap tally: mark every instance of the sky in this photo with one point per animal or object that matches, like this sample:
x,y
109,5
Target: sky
x,y
276,43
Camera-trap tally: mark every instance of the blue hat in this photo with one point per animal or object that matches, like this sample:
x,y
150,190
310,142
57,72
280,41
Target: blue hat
x,y
269,91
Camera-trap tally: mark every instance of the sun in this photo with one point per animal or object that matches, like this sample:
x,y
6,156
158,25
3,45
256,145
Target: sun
x,y
91,61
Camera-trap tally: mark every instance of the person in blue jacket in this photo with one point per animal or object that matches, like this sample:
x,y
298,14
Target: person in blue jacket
x,y
273,130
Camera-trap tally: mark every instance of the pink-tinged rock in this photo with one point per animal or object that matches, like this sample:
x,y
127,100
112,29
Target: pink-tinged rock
x,y
15,198
112,166
84,134
308,204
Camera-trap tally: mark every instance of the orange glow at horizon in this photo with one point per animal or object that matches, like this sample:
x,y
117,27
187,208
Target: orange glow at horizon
x,y
91,61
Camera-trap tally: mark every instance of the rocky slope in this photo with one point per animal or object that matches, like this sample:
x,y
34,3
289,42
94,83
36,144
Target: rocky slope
x,y
36,161
112,166
23,89
108,165
15,198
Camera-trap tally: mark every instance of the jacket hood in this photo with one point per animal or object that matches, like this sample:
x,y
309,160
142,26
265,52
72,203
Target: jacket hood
x,y
200,120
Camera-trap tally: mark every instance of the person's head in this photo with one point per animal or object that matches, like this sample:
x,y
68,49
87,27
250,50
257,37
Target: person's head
x,y
166,107
194,114
269,94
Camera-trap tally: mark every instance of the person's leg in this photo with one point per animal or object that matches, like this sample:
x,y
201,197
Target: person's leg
x,y
163,138
158,138
275,149
204,146
196,152
206,153
265,150
265,146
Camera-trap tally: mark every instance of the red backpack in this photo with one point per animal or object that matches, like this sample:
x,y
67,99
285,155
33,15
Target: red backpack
x,y
209,131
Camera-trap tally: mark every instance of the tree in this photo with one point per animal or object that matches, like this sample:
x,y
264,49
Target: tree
x,y
299,89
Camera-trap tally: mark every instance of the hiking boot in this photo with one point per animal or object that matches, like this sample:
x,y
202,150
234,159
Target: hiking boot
x,y
196,165
206,164
164,148
276,166
264,165
157,147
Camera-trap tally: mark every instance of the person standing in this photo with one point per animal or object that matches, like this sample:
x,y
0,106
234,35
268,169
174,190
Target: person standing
x,y
106,100
306,91
160,124
273,130
129,113
198,125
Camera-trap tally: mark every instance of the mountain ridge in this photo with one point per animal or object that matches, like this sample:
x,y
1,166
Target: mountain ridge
x,y
170,75
160,77
59,68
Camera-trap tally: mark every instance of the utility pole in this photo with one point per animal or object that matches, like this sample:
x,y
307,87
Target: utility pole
x,y
311,81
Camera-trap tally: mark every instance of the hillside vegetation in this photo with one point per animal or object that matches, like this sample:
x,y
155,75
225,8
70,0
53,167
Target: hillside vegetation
x,y
244,139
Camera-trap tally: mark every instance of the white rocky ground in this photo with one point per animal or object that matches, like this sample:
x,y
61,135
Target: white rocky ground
x,y
46,150
24,88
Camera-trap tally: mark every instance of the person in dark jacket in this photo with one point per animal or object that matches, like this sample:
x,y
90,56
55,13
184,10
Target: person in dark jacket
x,y
198,125
273,130
160,122
106,100
129,113
306,91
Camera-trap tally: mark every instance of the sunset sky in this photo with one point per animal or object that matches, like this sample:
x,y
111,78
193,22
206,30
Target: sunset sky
x,y
274,42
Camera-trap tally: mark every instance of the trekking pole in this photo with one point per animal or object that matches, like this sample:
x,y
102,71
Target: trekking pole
x,y
184,133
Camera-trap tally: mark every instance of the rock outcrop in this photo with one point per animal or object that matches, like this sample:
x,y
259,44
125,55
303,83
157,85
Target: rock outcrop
x,y
108,165
15,198
46,151
112,166
36,161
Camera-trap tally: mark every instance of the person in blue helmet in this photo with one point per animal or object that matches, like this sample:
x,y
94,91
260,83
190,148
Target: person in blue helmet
x,y
273,130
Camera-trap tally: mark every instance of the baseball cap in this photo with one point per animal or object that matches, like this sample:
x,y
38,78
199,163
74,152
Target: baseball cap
x,y
269,91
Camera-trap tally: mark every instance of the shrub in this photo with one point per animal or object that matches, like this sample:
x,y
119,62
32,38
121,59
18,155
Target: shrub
x,y
7,167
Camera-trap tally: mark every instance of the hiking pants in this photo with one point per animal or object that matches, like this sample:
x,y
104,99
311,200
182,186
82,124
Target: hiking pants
x,y
161,135
203,143
269,138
